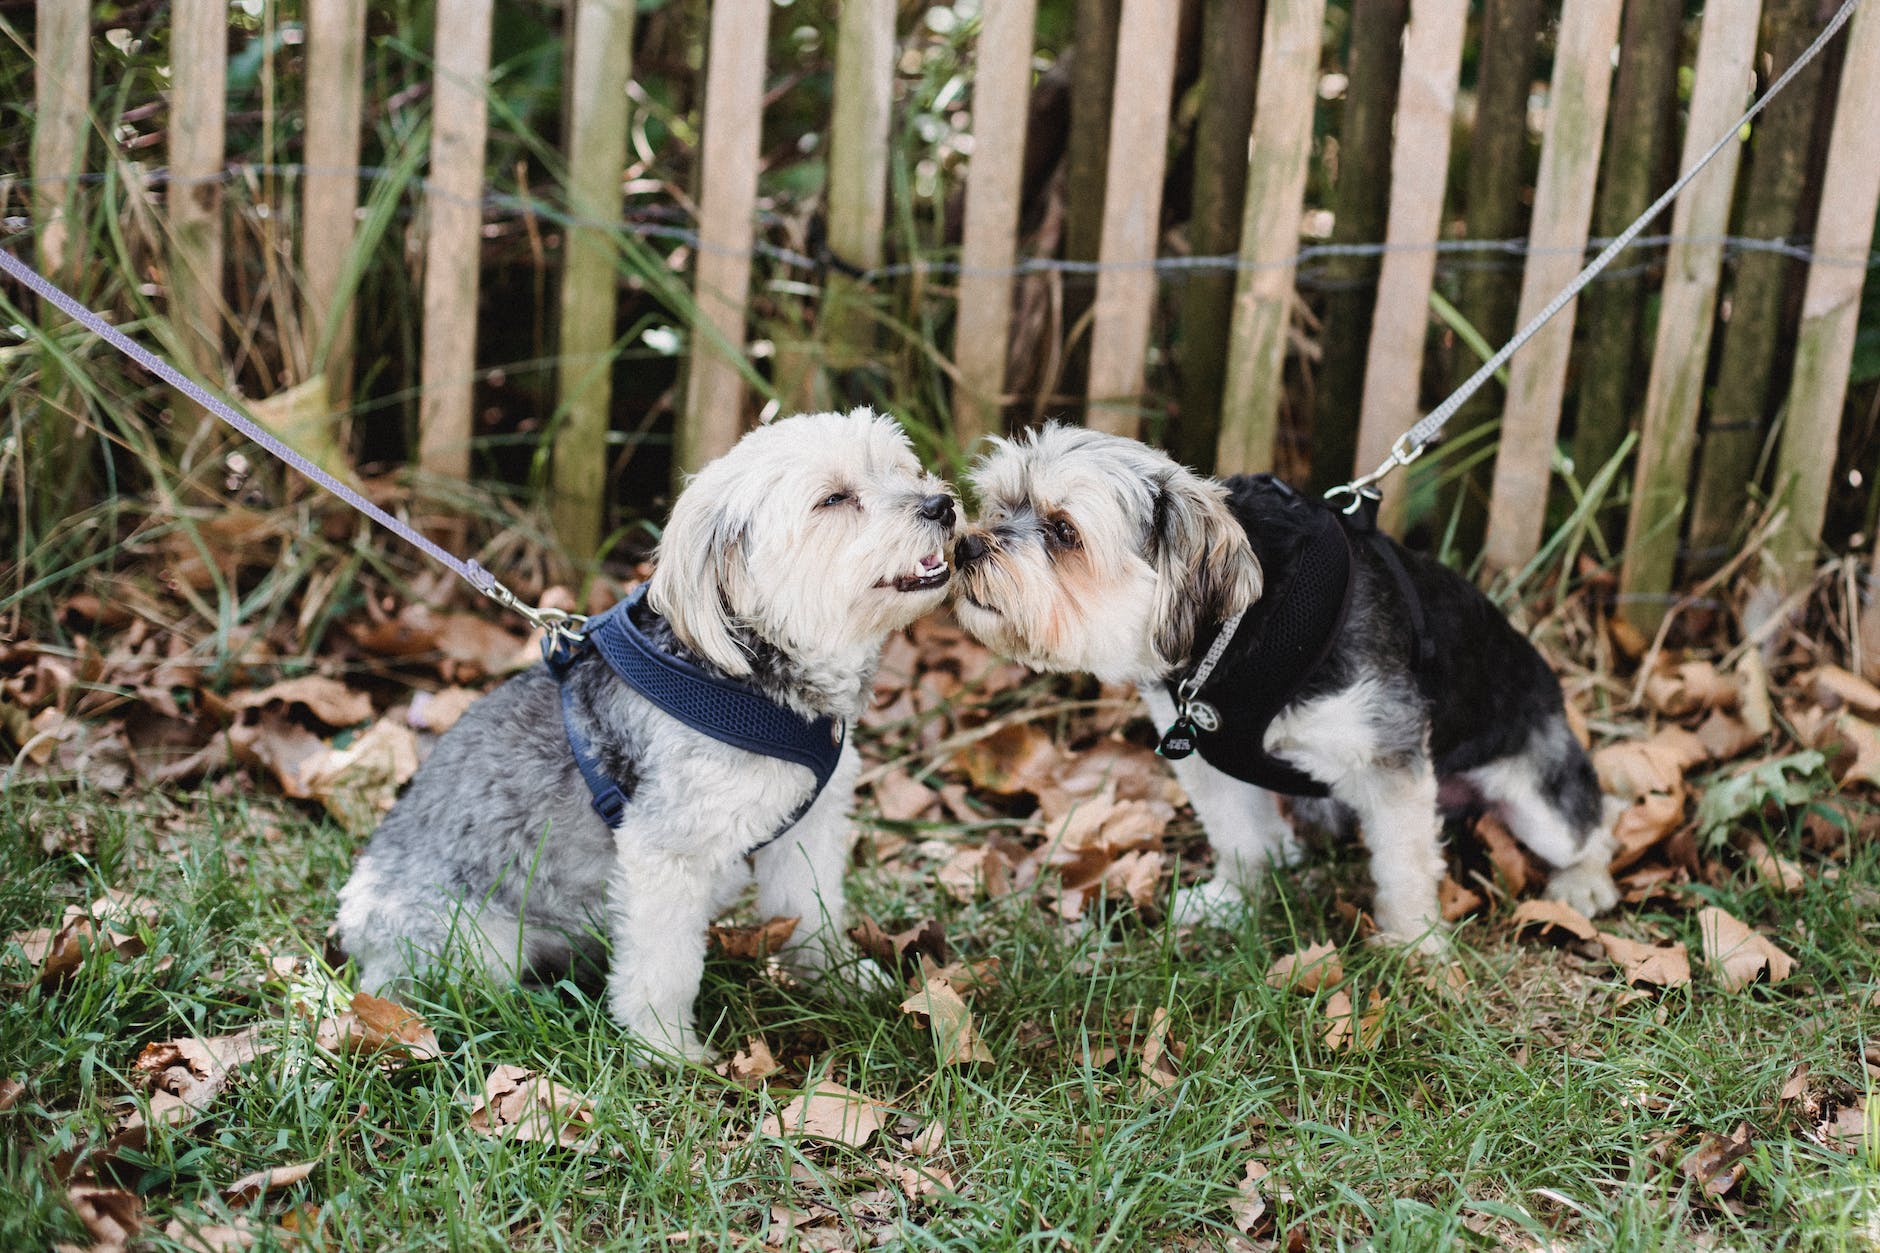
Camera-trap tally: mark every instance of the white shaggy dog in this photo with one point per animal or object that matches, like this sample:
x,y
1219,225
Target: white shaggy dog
x,y
1101,554
785,566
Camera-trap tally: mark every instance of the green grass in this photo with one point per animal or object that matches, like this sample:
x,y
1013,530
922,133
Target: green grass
x,y
1523,1110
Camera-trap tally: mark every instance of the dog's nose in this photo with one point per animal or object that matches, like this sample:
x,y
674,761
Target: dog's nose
x,y
971,548
937,508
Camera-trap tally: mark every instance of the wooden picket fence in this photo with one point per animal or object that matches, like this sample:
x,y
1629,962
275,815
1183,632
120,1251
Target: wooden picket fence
x,y
1278,149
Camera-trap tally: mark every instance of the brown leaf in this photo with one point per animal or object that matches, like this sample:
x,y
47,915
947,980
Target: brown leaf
x,y
1346,1031
359,783
1155,1066
1725,735
900,797
1307,970
752,1064
1662,967
112,1215
1739,954
112,921
1644,824
918,1181
1848,1129
828,1111
1511,864
11,1090
1778,873
901,953
1687,688
1136,877
328,700
1553,916
755,943
519,1104
1864,739
250,1186
379,1028
984,870
968,977
212,1237
1834,687
438,712
1015,758
1249,1206
1716,1164
1636,768
1456,901
951,1021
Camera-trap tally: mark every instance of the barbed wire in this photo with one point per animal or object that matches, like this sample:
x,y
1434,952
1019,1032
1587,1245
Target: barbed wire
x,y
667,223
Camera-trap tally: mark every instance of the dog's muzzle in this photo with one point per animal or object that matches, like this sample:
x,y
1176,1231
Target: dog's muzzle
x,y
970,550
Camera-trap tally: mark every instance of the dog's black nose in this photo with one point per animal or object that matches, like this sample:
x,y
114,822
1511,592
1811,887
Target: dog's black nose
x,y
971,548
937,508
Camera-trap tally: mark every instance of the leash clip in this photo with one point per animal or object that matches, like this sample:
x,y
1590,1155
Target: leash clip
x,y
561,626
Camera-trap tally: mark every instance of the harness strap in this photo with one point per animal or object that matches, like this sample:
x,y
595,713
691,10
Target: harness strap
x,y
727,711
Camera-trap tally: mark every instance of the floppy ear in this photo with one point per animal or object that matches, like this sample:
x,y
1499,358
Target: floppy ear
x,y
1205,568
700,576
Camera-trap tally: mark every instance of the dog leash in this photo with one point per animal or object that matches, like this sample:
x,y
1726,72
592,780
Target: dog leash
x,y
556,622
1412,443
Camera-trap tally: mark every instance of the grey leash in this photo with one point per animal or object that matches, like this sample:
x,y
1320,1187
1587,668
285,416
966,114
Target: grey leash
x,y
553,621
1410,445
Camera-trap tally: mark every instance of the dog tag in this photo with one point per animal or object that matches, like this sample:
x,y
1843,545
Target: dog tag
x,y
1178,741
1204,716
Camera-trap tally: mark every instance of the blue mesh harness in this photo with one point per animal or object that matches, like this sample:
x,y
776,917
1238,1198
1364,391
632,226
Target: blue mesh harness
x,y
728,711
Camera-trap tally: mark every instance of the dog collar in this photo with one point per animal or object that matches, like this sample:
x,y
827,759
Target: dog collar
x,y
728,711
1268,653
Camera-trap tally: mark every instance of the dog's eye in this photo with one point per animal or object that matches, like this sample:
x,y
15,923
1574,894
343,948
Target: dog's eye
x,y
1063,532
833,499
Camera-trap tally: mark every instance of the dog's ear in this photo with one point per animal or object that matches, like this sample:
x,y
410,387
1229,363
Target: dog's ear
x,y
697,583
1204,566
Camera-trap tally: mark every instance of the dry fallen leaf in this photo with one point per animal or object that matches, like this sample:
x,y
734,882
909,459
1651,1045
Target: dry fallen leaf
x,y
1307,970
1511,864
328,700
212,1237
383,1029
828,1111
438,712
955,1037
519,1104
1643,824
1015,758
1660,966
1834,687
917,1181
1739,953
1635,768
112,1215
900,797
752,1064
901,954
250,1186
1348,1031
1776,872
1716,1164
1455,901
112,921
1249,1204
1552,916
984,870
1155,1067
359,783
755,943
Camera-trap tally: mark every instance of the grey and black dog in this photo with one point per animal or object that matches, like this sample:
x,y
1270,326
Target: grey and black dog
x,y
1101,554
785,565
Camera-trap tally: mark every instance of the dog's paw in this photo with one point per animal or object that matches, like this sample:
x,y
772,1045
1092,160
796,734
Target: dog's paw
x,y
1422,939
658,1051
1587,888
1216,903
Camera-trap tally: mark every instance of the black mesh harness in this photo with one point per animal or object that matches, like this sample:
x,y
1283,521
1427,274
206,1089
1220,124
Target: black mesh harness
x,y
728,711
1278,644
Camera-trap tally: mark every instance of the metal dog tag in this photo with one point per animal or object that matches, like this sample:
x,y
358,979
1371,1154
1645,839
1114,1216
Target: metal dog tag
x,y
1204,715
1178,741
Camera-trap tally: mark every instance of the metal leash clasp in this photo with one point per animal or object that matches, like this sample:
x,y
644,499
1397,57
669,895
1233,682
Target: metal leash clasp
x,y
560,625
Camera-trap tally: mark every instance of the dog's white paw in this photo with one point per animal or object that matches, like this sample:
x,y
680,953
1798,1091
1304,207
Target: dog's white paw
x,y
1216,903
1586,887
660,1050
1426,939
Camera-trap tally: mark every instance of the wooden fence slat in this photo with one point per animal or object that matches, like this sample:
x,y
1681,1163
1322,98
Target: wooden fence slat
x,y
597,151
198,78
61,94
1419,168
1686,313
453,248
728,156
1563,211
1360,205
1824,345
1269,235
336,35
1001,108
1132,209
860,111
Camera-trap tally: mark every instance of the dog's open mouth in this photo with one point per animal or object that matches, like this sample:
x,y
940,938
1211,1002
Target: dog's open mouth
x,y
931,571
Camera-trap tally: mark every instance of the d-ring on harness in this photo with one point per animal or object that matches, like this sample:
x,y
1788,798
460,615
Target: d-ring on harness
x,y
728,711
